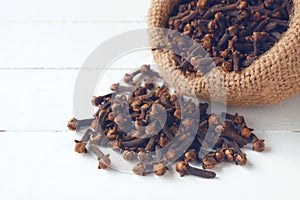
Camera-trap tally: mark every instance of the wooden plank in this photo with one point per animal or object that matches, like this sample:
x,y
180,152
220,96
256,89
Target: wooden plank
x,y
44,165
55,45
282,116
42,100
74,10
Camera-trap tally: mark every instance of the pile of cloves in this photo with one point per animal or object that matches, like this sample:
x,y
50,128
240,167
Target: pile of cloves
x,y
150,125
233,32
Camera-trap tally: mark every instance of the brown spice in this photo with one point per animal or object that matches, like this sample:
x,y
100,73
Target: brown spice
x,y
237,32
180,139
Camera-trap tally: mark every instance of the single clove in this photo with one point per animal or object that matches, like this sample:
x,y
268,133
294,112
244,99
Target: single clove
x,y
184,168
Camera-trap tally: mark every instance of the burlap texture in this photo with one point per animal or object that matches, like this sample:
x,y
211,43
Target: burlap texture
x,y
272,78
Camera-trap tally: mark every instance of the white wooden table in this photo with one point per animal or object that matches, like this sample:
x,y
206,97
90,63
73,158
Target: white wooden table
x,y
43,44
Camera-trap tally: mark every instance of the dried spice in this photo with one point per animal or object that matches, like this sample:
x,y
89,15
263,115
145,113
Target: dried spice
x,y
233,32
153,127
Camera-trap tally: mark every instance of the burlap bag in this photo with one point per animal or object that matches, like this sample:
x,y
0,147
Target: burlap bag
x,y
272,78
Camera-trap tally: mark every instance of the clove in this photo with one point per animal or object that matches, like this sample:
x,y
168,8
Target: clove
x,y
184,169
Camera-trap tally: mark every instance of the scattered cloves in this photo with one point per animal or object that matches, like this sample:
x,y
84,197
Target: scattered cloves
x,y
181,138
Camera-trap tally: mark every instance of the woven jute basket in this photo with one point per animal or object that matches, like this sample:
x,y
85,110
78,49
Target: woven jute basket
x,y
272,78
